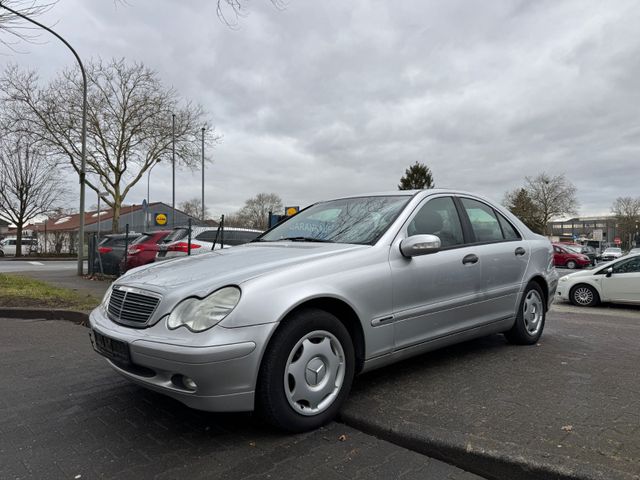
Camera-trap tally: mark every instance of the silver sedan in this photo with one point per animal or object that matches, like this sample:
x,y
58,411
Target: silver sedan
x,y
284,323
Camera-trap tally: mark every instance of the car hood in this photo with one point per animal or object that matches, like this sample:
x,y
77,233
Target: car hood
x,y
581,273
200,274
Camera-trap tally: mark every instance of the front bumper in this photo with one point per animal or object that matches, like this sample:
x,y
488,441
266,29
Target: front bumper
x,y
225,371
562,292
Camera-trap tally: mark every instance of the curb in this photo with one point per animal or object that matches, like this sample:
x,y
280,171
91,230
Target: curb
x,y
492,460
80,318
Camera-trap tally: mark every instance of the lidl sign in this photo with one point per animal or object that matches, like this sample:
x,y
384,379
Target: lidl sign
x,y
161,219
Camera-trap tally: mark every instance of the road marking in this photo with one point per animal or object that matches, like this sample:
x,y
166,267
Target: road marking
x,y
37,263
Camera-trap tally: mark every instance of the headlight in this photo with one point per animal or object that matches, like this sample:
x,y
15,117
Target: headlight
x,y
198,315
104,305
563,279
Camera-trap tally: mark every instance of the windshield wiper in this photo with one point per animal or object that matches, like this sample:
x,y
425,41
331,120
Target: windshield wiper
x,y
305,239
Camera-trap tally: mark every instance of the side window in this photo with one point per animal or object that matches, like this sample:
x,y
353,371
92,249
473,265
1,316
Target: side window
x,y
557,249
438,217
208,236
628,266
509,232
483,220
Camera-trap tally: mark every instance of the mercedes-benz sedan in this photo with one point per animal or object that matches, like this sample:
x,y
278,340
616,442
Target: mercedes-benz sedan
x,y
284,323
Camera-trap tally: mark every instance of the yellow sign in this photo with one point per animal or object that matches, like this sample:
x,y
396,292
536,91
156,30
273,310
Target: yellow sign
x,y
161,219
290,211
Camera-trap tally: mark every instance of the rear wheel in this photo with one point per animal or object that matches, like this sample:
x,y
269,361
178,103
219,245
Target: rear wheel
x,y
584,296
529,323
306,372
571,264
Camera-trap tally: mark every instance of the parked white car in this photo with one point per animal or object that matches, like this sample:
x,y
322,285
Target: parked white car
x,y
611,253
8,246
617,281
202,241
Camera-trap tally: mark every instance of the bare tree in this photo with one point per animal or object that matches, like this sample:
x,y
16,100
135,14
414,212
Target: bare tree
x,y
627,212
13,29
193,208
552,196
28,185
229,11
255,213
129,122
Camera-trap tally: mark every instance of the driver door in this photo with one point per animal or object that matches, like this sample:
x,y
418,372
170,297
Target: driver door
x,y
624,283
435,294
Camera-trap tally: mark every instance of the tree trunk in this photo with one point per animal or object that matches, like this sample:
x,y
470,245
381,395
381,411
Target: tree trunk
x,y
115,221
18,240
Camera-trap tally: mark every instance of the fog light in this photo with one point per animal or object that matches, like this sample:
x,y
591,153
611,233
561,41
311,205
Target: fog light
x,y
189,383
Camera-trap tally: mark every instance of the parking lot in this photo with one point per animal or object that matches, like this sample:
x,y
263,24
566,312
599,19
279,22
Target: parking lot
x,y
566,408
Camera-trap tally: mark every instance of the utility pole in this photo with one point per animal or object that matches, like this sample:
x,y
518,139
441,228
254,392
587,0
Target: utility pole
x,y
83,161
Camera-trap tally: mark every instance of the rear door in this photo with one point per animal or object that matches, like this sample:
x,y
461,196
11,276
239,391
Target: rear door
x,y
504,257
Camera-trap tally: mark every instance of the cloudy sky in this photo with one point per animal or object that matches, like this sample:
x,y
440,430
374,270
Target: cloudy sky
x,y
322,99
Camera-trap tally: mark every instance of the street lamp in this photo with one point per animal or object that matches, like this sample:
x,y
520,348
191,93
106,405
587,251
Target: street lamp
x,y
84,131
101,195
173,169
202,214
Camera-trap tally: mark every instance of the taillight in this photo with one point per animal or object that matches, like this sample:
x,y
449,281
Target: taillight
x,y
182,247
104,250
133,249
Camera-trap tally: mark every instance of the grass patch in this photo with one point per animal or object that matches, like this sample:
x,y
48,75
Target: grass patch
x,y
19,291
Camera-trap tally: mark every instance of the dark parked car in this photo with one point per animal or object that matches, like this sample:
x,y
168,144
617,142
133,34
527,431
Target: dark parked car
x,y
143,249
111,252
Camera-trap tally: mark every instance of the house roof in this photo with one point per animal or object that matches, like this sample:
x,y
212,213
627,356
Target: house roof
x,y
68,223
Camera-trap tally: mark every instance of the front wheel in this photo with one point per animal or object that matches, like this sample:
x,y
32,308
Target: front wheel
x,y
584,296
306,372
529,323
571,264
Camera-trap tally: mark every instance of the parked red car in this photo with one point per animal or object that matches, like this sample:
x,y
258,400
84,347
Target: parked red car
x,y
143,249
565,257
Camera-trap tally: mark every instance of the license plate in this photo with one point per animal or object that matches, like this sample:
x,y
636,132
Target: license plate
x,y
111,348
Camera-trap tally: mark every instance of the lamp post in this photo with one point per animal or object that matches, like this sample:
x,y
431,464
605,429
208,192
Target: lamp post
x,y
100,196
202,214
84,131
173,169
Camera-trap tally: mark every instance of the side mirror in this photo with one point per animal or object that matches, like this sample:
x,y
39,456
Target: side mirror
x,y
417,245
609,271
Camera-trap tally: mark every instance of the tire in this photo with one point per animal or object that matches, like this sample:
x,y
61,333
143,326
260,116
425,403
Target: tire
x,y
306,372
1,253
530,319
571,264
583,295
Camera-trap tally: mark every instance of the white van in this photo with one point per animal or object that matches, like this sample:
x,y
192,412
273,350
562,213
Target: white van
x,y
8,246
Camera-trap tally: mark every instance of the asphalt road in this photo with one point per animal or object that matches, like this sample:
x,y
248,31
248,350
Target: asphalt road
x,y
14,266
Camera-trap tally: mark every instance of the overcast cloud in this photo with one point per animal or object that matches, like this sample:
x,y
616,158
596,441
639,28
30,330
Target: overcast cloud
x,y
329,98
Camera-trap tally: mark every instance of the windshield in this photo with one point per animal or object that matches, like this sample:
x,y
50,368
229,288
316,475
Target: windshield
x,y
573,248
359,220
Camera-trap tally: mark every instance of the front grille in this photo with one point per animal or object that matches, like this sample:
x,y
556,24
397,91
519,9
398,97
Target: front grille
x,y
131,307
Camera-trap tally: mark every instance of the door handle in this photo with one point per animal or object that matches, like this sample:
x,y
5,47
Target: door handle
x,y
471,258
520,251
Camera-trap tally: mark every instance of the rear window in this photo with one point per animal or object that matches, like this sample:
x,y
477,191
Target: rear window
x,y
141,239
176,234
